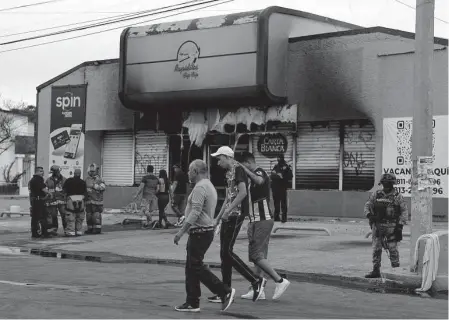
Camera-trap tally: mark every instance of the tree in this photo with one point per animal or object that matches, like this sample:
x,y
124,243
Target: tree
x,y
6,131
8,108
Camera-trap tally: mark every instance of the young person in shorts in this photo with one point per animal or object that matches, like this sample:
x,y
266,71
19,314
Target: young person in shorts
x,y
260,225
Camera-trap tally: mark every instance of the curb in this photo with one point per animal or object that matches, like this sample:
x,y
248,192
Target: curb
x,y
376,285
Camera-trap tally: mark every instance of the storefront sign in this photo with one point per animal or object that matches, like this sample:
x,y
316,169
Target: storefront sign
x,y
397,156
187,57
272,145
67,126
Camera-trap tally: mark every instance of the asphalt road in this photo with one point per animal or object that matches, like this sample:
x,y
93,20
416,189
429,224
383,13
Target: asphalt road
x,y
38,287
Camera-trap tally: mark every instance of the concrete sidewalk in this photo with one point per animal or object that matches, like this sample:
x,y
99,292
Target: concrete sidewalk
x,y
345,256
307,255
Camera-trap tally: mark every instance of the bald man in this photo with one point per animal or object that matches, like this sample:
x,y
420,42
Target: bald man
x,y
76,190
199,223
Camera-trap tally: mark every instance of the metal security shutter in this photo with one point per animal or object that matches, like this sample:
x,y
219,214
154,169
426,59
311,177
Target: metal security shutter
x,y
318,155
151,149
268,163
359,155
117,167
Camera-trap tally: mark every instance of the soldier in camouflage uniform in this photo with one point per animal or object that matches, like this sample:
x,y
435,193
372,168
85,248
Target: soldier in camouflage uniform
x,y
387,214
94,200
56,201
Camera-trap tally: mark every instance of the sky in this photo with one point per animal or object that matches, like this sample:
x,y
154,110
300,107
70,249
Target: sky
x,y
21,71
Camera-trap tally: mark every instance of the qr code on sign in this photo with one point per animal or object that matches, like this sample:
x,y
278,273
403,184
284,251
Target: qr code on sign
x,y
404,146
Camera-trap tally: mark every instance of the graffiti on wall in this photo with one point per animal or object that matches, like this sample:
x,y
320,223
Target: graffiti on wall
x,y
354,160
360,137
357,160
152,157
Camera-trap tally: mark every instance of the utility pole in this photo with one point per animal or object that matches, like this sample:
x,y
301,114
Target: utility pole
x,y
421,208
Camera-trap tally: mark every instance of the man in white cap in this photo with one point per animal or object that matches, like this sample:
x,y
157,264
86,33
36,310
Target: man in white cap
x,y
232,214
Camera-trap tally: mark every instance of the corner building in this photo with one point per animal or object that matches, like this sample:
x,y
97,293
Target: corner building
x,y
334,98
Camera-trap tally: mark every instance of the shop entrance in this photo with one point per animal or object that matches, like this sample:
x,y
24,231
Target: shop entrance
x,y
184,155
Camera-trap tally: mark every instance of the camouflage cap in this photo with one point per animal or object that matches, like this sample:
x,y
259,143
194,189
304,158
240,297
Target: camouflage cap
x,y
388,177
93,167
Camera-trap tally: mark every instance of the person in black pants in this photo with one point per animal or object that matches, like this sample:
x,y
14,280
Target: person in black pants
x,y
199,223
231,217
163,198
179,191
38,194
280,182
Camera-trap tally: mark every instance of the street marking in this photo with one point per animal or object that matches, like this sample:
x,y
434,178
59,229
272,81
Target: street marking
x,y
42,285
10,251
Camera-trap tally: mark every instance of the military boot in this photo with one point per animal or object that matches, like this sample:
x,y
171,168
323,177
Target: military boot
x,y
373,274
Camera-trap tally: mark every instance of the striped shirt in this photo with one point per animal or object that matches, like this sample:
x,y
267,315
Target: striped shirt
x,y
260,198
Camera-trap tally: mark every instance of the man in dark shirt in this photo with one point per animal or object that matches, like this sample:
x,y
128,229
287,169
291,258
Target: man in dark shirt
x,y
232,215
261,224
76,190
38,194
179,191
280,177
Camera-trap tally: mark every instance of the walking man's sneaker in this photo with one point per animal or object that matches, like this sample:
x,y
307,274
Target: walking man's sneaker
x,y
250,295
228,300
216,299
280,288
258,288
186,307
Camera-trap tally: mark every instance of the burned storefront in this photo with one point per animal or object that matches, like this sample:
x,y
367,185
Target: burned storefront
x,y
205,93
334,98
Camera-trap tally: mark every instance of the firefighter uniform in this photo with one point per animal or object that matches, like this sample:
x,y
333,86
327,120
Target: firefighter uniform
x,y
56,202
75,189
387,212
94,200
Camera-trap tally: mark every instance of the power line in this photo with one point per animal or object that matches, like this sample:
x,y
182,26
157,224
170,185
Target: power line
x,y
116,28
80,22
30,5
122,18
412,7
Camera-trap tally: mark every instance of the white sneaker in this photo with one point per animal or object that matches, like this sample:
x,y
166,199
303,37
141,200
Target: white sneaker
x,y
250,295
280,288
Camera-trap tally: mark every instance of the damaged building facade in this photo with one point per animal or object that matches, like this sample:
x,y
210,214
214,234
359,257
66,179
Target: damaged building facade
x,y
276,81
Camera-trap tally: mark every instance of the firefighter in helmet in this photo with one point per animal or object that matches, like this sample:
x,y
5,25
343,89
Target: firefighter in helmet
x,y
56,202
94,200
387,213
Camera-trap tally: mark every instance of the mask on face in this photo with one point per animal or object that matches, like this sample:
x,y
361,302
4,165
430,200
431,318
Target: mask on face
x,y
388,186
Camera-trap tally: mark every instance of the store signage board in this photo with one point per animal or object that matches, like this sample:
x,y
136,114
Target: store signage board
x,y
272,145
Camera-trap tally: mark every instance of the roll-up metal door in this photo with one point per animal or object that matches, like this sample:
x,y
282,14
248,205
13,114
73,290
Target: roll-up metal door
x,y
117,167
268,163
318,155
359,155
151,149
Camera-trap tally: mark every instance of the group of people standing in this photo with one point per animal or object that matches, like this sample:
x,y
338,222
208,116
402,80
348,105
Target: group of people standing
x,y
248,195
74,199
155,194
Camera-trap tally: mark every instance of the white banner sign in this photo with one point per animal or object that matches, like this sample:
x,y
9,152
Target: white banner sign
x,y
397,154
